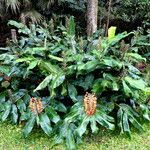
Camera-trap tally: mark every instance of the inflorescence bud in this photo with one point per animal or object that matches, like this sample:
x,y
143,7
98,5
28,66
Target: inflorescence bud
x,y
36,105
90,103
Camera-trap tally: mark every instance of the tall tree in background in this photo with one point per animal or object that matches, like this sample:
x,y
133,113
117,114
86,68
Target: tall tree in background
x,y
92,9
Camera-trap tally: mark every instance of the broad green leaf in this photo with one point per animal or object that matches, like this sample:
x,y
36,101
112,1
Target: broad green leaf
x,y
26,98
105,84
128,115
91,65
45,124
37,120
35,50
118,37
44,83
72,92
112,62
64,90
55,58
93,124
60,107
100,85
88,67
25,115
146,116
7,58
102,120
89,81
26,59
2,97
145,111
85,83
133,69
50,68
1,109
97,86
135,56
14,112
57,80
147,91
126,89
125,122
128,109
135,123
71,116
6,112
115,86
16,24
52,114
119,119
22,28
83,127
71,27
137,84
29,126
21,105
70,142
33,64
111,32
4,69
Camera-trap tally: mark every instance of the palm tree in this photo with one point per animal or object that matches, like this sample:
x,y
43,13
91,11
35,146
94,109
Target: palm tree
x,y
27,9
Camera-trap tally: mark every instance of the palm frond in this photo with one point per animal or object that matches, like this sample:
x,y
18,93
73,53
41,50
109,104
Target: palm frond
x,y
27,3
14,5
45,4
1,10
32,15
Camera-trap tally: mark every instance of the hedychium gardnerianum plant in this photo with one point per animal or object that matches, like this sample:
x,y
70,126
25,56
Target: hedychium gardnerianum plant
x,y
14,98
65,68
42,115
86,112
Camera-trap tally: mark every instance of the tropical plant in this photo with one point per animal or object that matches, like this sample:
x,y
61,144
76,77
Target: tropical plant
x,y
74,83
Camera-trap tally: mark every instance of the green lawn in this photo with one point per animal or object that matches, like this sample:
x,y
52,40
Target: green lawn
x,y
11,139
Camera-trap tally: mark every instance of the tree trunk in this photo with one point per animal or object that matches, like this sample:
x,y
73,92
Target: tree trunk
x,y
108,17
92,9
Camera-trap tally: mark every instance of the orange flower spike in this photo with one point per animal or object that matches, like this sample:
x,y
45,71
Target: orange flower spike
x,y
32,105
36,106
39,106
90,103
